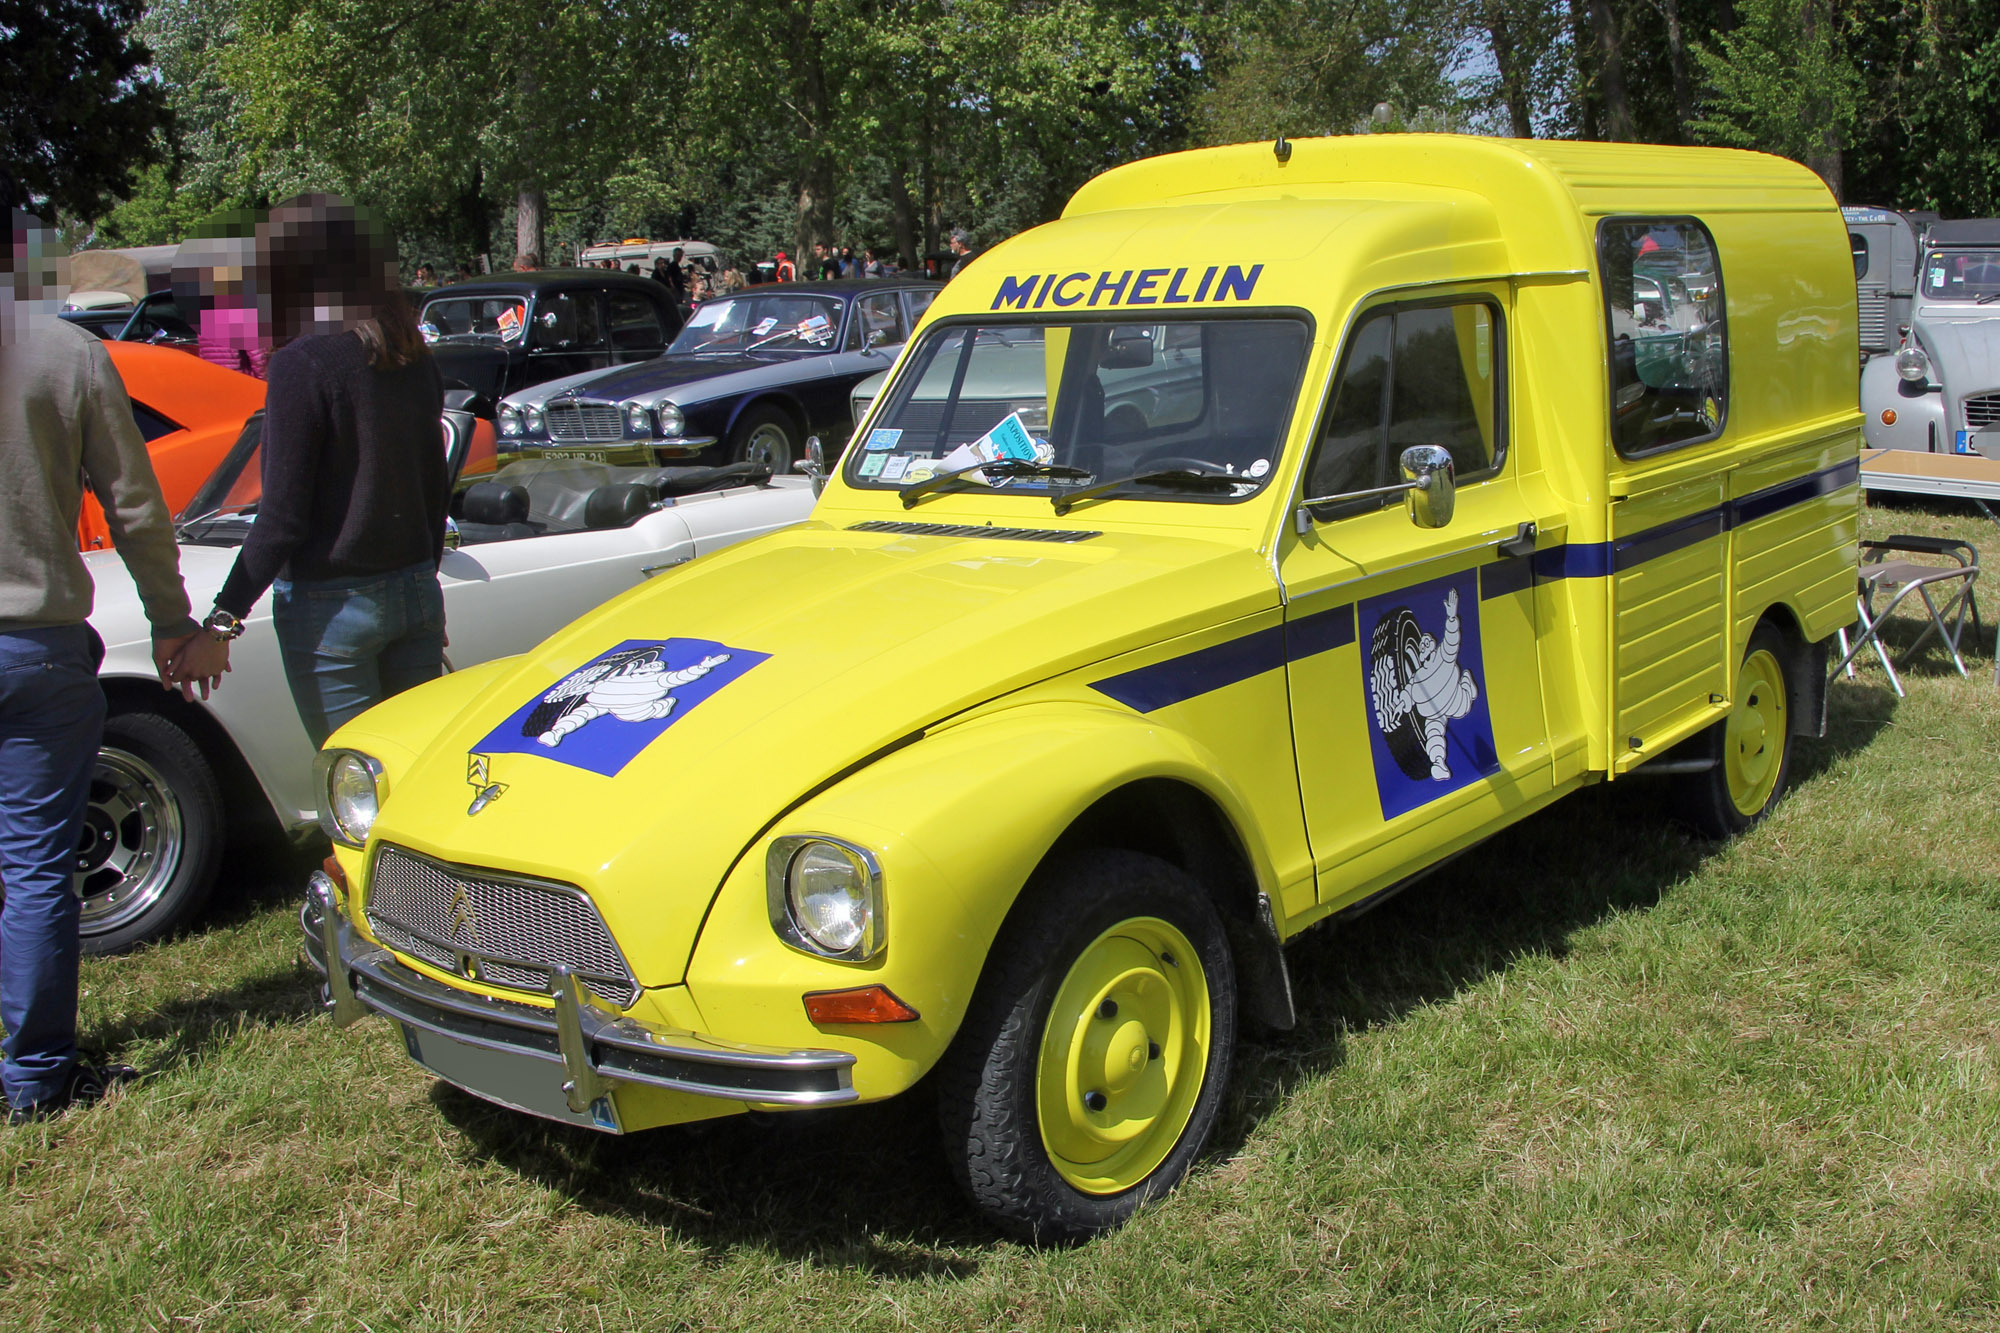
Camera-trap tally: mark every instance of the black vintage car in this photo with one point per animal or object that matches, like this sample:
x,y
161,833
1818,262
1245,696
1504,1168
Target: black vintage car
x,y
502,334
749,378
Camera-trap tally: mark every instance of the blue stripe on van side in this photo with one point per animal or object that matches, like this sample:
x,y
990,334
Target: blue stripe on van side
x,y
1178,679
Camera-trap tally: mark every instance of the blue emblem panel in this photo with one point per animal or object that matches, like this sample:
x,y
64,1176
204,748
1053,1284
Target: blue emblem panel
x,y
1423,686
601,715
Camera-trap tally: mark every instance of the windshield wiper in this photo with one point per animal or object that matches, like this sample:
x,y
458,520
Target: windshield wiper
x,y
1006,467
1987,299
1176,478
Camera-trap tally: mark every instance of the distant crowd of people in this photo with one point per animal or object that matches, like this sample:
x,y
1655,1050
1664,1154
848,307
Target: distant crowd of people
x,y
698,279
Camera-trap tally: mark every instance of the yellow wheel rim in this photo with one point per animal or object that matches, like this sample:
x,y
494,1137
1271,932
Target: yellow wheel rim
x,y
1758,731
1123,1056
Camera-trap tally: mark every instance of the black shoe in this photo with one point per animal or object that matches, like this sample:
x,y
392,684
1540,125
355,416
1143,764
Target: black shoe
x,y
87,1084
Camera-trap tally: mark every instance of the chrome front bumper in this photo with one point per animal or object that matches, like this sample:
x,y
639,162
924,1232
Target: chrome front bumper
x,y
585,1048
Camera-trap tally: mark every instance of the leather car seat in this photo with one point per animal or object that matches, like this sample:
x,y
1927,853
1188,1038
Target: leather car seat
x,y
617,504
493,511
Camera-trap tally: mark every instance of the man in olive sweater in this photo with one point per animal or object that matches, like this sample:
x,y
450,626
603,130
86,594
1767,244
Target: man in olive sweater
x,y
64,422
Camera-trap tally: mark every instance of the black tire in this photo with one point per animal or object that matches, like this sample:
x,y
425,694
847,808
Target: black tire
x,y
989,1083
1393,652
153,834
766,434
1713,802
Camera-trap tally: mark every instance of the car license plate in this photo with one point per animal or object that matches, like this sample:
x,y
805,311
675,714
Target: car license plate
x,y
513,1080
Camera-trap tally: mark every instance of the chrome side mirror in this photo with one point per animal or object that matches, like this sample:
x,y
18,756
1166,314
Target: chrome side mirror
x,y
1429,488
1433,484
814,464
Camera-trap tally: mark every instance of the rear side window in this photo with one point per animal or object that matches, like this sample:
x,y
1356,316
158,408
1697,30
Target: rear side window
x,y
1858,244
1668,338
634,323
1412,375
150,423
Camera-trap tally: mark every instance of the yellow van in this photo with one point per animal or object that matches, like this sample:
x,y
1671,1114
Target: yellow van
x,y
1282,520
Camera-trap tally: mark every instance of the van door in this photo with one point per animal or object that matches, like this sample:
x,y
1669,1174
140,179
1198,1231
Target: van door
x,y
1413,653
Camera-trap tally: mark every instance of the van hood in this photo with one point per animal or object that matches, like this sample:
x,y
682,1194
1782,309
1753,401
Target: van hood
x,y
1966,350
646,747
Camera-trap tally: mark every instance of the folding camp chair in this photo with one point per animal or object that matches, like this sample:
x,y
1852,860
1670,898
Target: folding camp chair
x,y
1901,578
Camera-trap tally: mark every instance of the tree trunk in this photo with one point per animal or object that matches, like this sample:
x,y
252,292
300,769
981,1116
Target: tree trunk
x,y
902,216
1513,79
1677,64
1824,154
476,227
1617,106
529,206
816,173
1584,93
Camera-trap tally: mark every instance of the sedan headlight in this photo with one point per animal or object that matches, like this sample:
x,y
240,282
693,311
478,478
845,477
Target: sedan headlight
x,y
510,420
636,419
1913,365
532,419
671,420
825,896
352,788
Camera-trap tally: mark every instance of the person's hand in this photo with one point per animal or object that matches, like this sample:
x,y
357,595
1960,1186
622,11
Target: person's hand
x,y
199,665
163,655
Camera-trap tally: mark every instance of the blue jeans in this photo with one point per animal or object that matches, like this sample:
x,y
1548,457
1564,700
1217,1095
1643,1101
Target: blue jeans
x,y
51,719
351,643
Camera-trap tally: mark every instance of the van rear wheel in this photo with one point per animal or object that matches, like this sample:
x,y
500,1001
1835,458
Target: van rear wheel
x,y
1091,1067
1751,748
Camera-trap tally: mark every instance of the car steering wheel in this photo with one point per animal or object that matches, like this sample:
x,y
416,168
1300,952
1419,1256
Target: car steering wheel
x,y
1164,462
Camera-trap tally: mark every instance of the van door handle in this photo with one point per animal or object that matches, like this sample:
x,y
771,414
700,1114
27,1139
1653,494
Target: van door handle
x,y
1522,543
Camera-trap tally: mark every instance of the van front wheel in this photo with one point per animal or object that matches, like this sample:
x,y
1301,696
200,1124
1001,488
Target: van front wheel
x,y
1091,1067
1751,748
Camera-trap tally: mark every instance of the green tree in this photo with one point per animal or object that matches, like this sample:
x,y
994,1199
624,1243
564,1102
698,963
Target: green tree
x,y
77,115
1786,82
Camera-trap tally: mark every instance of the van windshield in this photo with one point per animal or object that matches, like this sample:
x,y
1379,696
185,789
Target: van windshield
x,y
1962,275
1092,403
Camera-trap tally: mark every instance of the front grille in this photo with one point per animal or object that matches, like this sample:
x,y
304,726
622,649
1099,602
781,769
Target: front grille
x,y
1982,410
1875,321
486,927
591,423
974,530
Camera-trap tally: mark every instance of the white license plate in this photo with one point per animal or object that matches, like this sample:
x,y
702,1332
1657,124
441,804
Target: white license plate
x,y
520,1082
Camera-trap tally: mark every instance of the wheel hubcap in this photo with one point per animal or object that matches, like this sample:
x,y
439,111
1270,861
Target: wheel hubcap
x,y
131,842
770,446
1754,742
1123,1056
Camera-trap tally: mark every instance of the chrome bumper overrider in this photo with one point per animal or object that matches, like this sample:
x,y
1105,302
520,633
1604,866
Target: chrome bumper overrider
x,y
591,1049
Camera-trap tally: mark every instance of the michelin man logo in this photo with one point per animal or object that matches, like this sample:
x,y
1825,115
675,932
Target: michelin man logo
x,y
1423,682
632,686
1418,687
601,715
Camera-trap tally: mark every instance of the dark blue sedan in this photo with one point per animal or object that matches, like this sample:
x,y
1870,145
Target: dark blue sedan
x,y
749,378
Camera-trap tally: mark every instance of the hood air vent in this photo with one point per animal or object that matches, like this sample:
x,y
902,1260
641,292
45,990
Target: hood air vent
x,y
974,530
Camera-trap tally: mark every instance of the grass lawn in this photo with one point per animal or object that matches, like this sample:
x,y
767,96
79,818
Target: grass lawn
x,y
1594,1076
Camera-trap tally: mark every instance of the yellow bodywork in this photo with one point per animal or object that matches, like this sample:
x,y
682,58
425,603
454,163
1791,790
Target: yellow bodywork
x,y
957,704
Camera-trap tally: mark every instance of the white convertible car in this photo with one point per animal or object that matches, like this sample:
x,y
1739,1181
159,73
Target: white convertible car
x,y
539,542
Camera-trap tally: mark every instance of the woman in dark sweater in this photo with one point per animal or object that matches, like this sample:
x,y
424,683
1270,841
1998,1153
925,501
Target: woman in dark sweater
x,y
351,522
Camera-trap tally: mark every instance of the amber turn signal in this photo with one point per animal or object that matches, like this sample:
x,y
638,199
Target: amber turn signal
x,y
1888,416
333,872
869,1004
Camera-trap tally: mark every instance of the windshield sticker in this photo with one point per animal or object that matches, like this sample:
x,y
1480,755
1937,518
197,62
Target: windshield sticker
x,y
601,715
871,464
1259,468
1424,688
920,470
895,466
884,437
763,326
510,322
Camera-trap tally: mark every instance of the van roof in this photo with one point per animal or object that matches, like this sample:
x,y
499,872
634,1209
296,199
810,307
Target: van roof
x,y
1539,192
1964,231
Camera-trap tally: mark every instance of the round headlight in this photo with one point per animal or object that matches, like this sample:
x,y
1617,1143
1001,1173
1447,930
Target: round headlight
x,y
510,419
1913,365
828,888
635,418
533,419
352,797
671,420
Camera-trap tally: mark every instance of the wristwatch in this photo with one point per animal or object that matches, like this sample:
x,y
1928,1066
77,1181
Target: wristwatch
x,y
222,626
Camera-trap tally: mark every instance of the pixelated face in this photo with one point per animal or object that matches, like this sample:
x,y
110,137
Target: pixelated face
x,y
37,278
330,265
